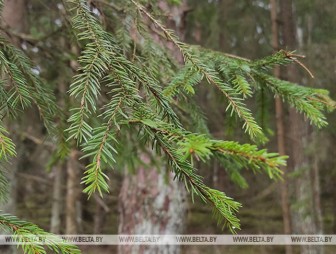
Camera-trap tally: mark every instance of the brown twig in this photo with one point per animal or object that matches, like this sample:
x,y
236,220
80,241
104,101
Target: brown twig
x,y
295,57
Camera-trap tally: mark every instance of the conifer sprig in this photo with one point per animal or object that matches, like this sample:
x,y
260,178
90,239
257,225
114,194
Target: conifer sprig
x,y
225,208
7,151
309,101
27,233
235,103
27,86
306,100
101,54
7,147
95,61
179,146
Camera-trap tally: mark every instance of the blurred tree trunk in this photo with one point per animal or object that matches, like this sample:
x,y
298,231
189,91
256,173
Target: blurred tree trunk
x,y
73,202
101,209
151,201
14,18
59,175
316,159
57,199
280,126
299,139
73,194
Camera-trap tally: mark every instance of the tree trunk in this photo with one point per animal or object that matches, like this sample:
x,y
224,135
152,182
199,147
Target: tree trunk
x,y
151,201
73,194
101,209
299,137
279,112
73,217
57,201
13,17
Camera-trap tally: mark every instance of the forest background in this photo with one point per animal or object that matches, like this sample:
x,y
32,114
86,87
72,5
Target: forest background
x,y
48,193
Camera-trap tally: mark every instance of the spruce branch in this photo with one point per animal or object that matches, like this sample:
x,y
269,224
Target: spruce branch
x,y
100,55
223,206
7,150
235,103
178,145
306,100
95,60
99,146
28,86
25,231
7,147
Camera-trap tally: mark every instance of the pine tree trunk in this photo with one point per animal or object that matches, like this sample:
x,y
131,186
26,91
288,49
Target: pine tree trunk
x,y
317,196
73,194
279,112
13,17
101,209
316,169
73,203
57,202
299,137
59,176
151,202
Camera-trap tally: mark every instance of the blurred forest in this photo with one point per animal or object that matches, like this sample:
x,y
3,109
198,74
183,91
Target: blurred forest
x,y
47,190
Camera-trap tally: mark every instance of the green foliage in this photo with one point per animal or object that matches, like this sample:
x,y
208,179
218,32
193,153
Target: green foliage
x,y
7,150
128,87
22,229
26,231
25,86
94,63
306,100
137,103
7,147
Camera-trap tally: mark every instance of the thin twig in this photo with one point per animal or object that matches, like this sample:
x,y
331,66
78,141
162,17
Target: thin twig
x,y
295,57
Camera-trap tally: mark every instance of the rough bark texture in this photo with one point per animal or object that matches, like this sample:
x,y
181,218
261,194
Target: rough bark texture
x,y
280,126
57,201
299,138
13,17
151,203
73,195
14,14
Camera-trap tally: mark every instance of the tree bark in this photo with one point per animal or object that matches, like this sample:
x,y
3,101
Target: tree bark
x,y
72,219
57,201
151,201
280,126
101,209
299,138
13,17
